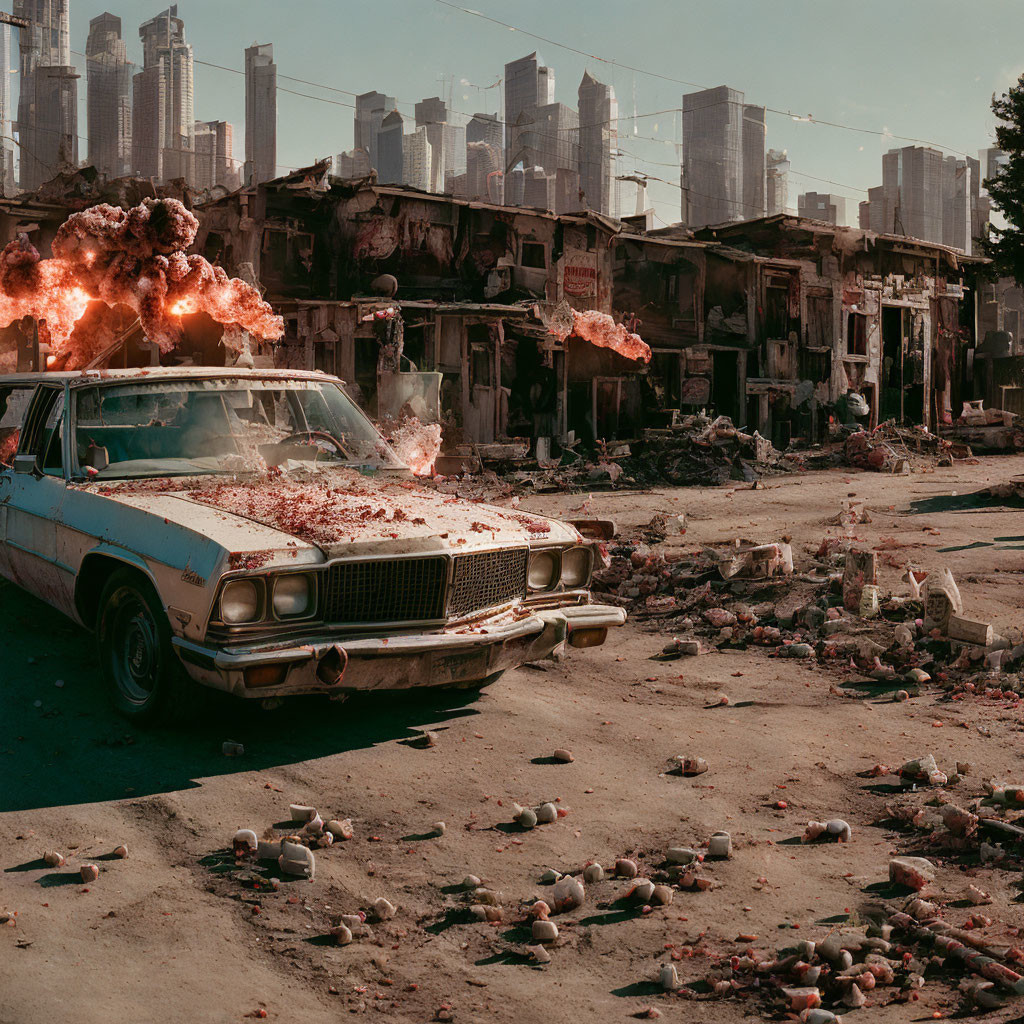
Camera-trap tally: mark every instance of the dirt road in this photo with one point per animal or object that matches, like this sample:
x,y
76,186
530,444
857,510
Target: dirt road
x,y
170,933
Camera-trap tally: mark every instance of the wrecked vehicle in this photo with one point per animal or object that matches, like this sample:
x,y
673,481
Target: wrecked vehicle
x,y
251,531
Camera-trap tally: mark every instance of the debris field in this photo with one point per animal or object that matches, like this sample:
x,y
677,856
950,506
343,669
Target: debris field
x,y
788,789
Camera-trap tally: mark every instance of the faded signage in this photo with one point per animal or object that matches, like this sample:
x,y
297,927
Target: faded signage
x,y
579,273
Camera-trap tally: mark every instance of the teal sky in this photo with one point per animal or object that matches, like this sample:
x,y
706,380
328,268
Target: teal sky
x,y
920,68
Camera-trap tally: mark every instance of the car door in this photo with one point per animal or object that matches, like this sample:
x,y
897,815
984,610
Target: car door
x,y
14,403
34,493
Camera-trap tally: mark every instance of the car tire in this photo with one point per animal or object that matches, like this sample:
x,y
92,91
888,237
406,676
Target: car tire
x,y
146,681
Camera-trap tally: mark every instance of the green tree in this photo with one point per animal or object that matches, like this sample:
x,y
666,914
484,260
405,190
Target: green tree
x,y
1005,246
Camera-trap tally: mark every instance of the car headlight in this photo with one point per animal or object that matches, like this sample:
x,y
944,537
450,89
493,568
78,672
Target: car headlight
x,y
240,602
544,570
576,566
293,595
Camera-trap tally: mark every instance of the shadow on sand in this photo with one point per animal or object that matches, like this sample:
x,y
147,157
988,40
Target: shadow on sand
x,y
73,748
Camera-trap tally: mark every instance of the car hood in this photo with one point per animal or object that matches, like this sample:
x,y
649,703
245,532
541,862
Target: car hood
x,y
283,521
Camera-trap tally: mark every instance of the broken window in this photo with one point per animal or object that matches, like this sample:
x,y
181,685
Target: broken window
x,y
13,406
533,255
480,365
856,334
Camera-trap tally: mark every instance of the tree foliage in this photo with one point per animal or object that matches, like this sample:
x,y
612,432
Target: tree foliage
x,y
1005,246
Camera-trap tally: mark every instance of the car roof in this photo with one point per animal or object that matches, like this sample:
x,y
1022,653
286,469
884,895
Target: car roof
x,y
83,377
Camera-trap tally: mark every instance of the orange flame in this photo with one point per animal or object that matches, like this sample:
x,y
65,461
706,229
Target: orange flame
x,y
134,258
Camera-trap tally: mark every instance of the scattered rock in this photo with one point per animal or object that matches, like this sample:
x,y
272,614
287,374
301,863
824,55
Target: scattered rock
x,y
691,765
720,845
643,890
340,829
593,873
668,977
383,909
439,828
296,859
341,934
301,813
563,756
53,859
89,872
662,895
550,876
539,954
914,872
544,930
471,882
568,894
625,868
680,855
121,851
526,818
546,814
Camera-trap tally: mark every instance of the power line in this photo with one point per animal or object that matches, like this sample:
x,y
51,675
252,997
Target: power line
x,y
696,85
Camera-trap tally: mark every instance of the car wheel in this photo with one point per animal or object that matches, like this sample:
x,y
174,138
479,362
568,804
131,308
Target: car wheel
x,y
146,681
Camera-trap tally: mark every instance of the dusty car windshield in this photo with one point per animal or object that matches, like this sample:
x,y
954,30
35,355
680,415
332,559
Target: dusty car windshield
x,y
228,425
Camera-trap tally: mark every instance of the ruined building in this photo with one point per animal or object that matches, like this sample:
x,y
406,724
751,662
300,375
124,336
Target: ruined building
x,y
163,123
723,165
109,78
260,114
48,100
598,143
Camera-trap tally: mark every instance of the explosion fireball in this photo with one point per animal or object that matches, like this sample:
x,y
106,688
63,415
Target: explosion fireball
x,y
134,258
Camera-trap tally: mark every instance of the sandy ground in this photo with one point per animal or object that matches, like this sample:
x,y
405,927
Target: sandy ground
x,y
168,934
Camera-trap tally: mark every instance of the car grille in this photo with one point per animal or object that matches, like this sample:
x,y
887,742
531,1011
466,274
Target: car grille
x,y
485,579
387,590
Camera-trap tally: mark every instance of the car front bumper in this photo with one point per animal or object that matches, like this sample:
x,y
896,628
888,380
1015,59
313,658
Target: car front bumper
x,y
459,656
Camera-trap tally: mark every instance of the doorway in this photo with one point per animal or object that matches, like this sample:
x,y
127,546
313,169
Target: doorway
x,y
724,390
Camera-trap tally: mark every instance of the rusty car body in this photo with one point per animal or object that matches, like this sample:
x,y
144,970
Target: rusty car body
x,y
251,531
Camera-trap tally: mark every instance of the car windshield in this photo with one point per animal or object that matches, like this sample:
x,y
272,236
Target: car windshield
x,y
229,425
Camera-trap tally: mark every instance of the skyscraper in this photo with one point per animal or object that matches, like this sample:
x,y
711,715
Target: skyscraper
x,y
48,101
163,126
822,206
214,155
483,171
598,123
260,114
529,84
723,169
371,108
776,190
447,140
7,182
554,138
417,158
390,169
109,75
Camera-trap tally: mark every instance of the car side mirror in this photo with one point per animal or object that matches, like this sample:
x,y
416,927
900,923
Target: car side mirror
x,y
24,463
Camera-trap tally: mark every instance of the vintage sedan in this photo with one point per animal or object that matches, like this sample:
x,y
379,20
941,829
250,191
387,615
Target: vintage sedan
x,y
251,531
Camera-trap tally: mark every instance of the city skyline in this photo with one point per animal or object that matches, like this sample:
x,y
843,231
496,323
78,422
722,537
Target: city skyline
x,y
469,50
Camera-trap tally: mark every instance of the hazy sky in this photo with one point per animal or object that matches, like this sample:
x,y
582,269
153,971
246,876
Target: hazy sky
x,y
920,68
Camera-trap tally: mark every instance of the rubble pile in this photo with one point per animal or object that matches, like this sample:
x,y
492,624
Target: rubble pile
x,y
697,450
890,448
735,595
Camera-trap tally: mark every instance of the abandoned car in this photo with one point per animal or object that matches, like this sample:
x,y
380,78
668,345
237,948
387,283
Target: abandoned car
x,y
252,531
